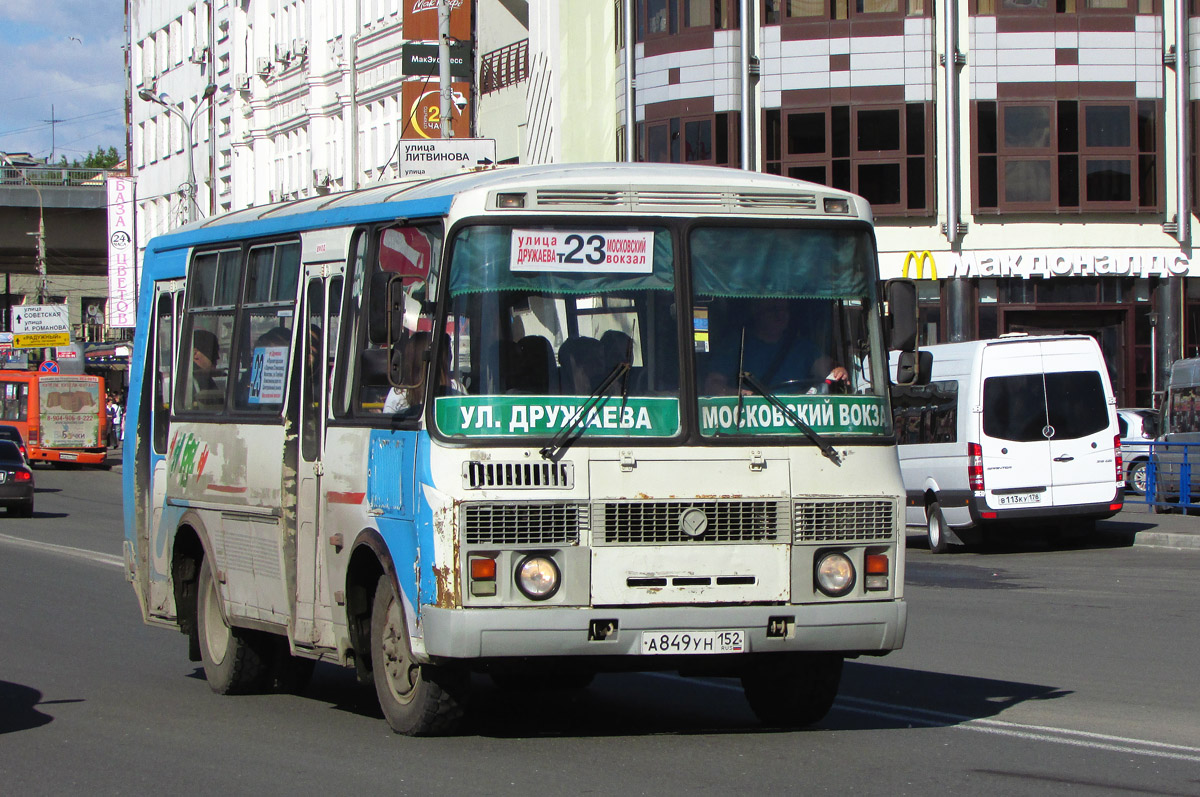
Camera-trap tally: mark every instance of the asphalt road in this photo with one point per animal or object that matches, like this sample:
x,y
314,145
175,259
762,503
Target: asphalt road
x,y
1030,668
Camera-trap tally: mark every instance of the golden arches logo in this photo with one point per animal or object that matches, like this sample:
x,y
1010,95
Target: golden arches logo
x,y
919,259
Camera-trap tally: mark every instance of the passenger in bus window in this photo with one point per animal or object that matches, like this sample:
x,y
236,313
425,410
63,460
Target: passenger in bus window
x,y
582,362
778,352
205,352
409,399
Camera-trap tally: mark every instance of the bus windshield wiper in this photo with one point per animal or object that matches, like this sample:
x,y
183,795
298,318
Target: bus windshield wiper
x,y
791,415
566,436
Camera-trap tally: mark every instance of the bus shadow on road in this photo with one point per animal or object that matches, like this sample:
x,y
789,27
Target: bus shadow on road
x,y
876,696
872,697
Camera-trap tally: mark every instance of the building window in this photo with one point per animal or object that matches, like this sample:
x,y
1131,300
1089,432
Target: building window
x,y
1048,7
1099,155
708,140
669,17
878,152
778,11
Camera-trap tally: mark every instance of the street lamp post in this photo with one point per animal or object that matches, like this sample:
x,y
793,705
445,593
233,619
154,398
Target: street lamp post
x,y
188,122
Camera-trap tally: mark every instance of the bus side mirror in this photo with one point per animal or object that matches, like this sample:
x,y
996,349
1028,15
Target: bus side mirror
x,y
902,314
374,367
914,367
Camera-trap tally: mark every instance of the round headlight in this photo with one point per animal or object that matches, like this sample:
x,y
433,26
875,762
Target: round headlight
x,y
835,574
538,577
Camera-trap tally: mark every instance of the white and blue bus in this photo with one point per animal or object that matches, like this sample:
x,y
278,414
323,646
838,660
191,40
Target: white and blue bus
x,y
535,423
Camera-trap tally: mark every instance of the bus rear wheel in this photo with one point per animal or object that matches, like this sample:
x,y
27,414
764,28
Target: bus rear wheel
x,y
416,699
232,658
793,690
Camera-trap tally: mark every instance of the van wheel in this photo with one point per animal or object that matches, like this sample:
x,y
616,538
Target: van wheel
x,y
935,524
417,699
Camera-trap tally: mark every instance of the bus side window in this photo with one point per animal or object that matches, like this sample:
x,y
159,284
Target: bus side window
x,y
267,314
164,362
203,364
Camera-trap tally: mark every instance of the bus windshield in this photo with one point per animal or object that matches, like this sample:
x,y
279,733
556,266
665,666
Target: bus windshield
x,y
541,317
780,319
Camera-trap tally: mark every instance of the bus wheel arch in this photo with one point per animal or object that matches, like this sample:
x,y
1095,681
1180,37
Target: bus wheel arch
x,y
186,555
368,561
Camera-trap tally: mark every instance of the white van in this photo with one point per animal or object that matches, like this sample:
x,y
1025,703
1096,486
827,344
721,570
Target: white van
x,y
1015,428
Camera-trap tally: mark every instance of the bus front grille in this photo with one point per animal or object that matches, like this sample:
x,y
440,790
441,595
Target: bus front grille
x,y
523,524
518,475
838,519
662,522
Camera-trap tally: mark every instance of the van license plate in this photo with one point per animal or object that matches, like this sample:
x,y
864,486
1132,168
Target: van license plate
x,y
1018,499
658,643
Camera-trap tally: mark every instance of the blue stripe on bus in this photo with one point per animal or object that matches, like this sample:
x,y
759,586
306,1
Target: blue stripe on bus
x,y
405,522
302,222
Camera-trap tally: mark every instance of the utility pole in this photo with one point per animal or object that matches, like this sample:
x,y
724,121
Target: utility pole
x,y
447,90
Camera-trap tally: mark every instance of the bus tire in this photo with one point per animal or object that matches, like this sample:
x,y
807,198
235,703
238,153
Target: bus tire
x,y
232,657
935,529
416,699
793,690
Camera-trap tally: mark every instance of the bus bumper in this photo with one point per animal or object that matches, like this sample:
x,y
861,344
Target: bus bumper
x,y
862,627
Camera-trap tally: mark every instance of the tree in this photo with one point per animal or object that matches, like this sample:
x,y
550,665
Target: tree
x,y
100,159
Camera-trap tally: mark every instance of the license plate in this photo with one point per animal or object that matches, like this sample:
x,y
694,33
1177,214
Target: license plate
x,y
1018,499
67,457
660,643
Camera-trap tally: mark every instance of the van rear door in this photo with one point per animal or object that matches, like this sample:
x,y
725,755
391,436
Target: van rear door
x,y
1082,444
1016,451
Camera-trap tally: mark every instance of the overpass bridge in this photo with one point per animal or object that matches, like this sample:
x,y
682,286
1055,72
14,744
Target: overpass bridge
x,y
73,203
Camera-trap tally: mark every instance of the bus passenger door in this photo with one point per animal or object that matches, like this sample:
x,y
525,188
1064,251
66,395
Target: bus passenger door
x,y
317,342
168,304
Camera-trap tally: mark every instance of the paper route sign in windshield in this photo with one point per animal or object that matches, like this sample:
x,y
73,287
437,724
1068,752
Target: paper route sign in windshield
x,y
543,416
593,252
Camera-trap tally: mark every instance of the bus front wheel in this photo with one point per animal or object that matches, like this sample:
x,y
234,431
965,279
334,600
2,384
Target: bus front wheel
x,y
793,690
233,663
416,699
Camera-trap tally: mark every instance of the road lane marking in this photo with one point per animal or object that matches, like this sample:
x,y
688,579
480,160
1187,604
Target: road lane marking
x,y
65,550
1016,730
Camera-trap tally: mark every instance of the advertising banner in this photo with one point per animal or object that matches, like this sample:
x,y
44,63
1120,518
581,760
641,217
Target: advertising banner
x,y
422,101
70,411
122,259
421,20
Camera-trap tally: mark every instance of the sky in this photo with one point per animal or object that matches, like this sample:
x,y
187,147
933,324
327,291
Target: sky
x,y
62,59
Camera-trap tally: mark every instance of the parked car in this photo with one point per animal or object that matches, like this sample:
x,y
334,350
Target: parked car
x,y
1136,424
14,434
16,481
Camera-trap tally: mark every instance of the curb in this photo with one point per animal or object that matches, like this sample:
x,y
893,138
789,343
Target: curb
x,y
1167,539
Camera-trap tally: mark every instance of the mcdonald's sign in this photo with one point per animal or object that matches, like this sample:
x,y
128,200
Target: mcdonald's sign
x,y
919,259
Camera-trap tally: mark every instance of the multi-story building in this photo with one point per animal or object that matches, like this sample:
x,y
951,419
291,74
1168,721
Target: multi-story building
x,y
1038,154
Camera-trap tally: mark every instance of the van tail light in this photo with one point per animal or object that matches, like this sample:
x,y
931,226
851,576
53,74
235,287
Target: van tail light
x,y
975,466
1117,458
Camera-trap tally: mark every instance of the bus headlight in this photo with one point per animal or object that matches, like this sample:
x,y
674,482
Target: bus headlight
x,y
538,577
835,574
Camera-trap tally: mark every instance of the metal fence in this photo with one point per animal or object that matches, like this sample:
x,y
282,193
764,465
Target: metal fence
x,y
1172,475
50,176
